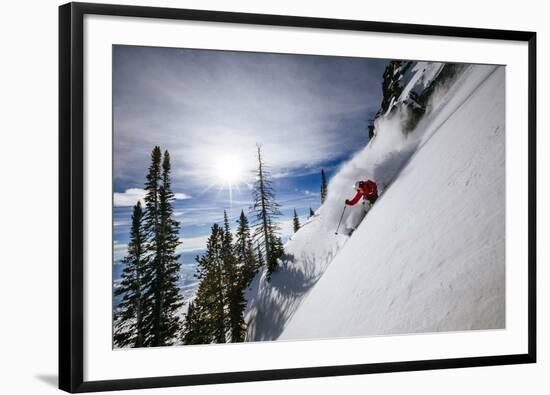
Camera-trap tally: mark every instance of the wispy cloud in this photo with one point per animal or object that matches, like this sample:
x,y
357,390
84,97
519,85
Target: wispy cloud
x,y
307,192
128,197
192,244
132,195
181,196
119,251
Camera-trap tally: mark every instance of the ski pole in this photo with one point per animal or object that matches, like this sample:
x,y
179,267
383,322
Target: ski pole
x,y
339,222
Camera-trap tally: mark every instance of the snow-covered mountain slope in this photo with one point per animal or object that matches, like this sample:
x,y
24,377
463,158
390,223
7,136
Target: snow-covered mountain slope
x,y
430,254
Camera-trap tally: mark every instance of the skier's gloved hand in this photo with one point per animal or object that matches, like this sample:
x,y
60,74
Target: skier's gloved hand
x,y
347,201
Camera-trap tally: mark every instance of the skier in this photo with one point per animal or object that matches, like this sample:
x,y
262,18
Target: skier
x,y
366,189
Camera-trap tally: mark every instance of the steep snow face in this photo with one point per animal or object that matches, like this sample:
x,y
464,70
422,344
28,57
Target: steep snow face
x,y
430,254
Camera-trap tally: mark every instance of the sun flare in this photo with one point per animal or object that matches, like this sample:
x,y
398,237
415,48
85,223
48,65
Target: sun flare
x,y
229,170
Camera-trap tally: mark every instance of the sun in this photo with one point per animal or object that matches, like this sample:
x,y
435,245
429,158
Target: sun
x,y
229,170
226,172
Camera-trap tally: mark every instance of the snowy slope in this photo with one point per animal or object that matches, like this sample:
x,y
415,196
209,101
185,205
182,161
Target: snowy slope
x,y
271,304
430,254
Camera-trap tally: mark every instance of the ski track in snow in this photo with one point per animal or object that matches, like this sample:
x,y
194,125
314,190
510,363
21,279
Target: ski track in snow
x,y
430,254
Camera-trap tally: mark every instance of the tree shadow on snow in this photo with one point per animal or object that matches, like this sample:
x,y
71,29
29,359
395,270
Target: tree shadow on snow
x,y
284,294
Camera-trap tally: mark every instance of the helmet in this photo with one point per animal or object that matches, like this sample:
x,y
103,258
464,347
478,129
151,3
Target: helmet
x,y
357,184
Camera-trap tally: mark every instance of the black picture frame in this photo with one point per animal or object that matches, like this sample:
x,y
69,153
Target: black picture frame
x,y
71,181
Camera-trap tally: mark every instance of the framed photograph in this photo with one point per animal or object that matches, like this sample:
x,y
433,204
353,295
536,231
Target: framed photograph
x,y
251,197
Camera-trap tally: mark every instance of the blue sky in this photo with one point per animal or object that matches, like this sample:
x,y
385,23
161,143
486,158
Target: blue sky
x,y
209,109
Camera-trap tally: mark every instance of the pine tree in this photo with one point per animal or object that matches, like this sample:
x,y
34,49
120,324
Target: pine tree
x,y
311,213
324,189
277,248
259,256
151,227
244,251
129,326
234,286
217,313
210,299
163,322
172,299
296,222
197,329
265,209
190,325
152,186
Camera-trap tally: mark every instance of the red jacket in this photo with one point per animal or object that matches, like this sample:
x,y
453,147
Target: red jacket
x,y
367,189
